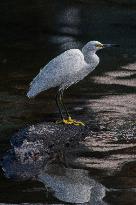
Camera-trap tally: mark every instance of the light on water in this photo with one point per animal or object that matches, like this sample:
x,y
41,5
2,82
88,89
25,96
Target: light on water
x,y
73,185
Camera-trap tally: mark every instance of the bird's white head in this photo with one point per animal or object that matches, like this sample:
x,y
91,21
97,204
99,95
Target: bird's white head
x,y
92,46
96,45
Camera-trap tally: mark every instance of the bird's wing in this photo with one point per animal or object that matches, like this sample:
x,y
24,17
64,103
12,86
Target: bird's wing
x,y
58,70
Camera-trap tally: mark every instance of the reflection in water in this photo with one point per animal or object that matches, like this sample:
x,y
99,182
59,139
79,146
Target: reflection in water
x,y
73,185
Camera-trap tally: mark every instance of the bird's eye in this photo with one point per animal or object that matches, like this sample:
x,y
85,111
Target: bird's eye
x,y
99,45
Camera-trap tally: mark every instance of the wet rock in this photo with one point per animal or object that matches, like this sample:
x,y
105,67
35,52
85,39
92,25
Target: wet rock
x,y
34,146
106,147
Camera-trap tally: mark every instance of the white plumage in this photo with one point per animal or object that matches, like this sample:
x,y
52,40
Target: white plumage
x,y
66,69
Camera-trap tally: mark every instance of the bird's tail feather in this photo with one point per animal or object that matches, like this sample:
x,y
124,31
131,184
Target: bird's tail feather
x,y
30,94
34,90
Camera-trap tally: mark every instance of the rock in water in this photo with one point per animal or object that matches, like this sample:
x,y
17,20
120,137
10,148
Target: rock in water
x,y
105,148
35,146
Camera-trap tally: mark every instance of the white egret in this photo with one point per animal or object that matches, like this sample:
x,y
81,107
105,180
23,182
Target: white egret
x,y
65,70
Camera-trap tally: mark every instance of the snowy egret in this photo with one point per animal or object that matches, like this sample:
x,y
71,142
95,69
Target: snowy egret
x,y
66,69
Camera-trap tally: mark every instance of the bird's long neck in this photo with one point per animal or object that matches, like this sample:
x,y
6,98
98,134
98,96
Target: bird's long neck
x,y
90,57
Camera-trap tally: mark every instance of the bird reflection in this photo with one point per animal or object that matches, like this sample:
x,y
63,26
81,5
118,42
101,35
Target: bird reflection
x,y
72,185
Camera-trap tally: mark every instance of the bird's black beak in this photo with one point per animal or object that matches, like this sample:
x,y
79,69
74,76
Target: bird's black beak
x,y
110,45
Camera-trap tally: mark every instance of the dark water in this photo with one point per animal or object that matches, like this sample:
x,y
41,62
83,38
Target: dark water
x,y
34,32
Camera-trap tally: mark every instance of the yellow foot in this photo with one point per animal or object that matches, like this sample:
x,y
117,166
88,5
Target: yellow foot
x,y
64,121
71,121
75,122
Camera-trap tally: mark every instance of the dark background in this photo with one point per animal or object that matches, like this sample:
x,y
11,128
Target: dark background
x,y
32,33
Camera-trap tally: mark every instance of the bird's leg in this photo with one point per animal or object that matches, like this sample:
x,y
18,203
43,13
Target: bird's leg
x,y
64,106
65,121
69,120
58,105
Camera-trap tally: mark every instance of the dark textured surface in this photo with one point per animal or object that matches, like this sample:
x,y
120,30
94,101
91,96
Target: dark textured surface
x,y
104,147
107,149
33,147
